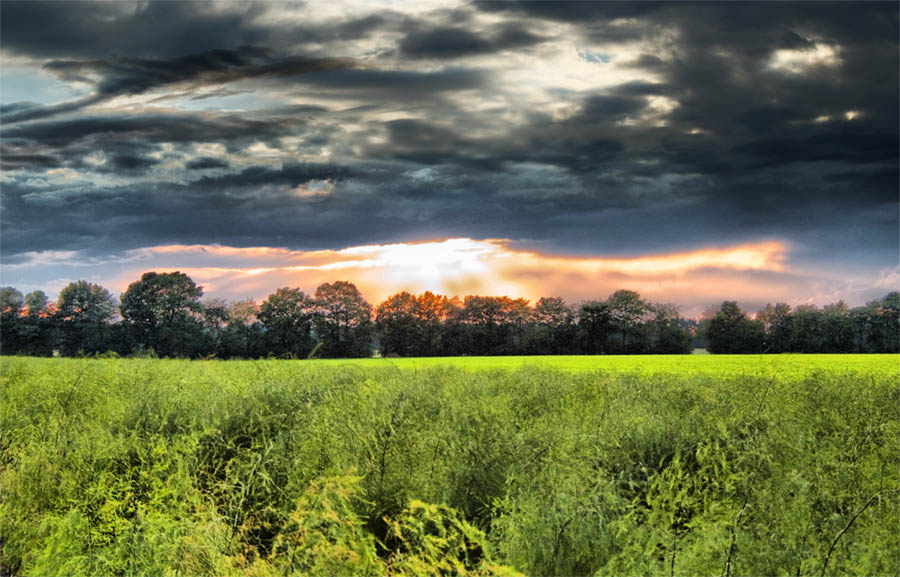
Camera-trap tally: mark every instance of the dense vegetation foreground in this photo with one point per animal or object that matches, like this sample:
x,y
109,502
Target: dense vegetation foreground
x,y
157,467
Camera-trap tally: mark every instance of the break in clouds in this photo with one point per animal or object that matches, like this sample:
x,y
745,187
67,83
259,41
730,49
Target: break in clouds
x,y
599,130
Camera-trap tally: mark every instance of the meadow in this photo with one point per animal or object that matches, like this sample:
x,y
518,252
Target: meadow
x,y
780,366
675,465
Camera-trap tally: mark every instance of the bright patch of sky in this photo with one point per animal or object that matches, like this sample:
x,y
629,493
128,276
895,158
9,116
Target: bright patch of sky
x,y
20,83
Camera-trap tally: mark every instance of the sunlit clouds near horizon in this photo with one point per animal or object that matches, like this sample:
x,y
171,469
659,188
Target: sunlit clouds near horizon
x,y
752,273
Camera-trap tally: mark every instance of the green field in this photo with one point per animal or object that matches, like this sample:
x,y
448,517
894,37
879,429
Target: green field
x,y
681,465
784,366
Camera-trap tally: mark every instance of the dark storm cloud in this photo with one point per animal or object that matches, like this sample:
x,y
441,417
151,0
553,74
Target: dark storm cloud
x,y
137,75
73,29
290,174
457,41
131,76
168,128
72,138
845,148
250,204
165,29
129,162
205,163
587,142
706,139
574,11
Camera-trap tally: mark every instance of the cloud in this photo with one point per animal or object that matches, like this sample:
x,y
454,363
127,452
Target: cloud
x,y
753,273
458,41
583,128
133,76
206,162
455,266
799,61
90,28
154,128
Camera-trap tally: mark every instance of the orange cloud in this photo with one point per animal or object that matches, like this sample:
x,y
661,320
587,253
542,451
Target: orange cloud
x,y
494,266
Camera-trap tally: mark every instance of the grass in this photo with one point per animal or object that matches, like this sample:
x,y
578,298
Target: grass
x,y
733,365
675,465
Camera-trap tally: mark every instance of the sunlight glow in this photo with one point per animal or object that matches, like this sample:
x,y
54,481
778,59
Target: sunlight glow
x,y
798,61
461,266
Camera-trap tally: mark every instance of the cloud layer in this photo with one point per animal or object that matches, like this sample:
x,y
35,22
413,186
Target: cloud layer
x,y
573,128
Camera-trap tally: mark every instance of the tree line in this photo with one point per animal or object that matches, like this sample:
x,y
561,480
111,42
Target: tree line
x,y
164,314
835,328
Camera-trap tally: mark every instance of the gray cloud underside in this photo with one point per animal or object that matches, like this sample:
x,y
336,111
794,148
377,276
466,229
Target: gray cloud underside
x,y
741,155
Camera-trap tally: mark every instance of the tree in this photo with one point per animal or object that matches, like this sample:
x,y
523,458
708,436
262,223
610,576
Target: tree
x,y
399,326
11,304
243,336
84,310
515,316
837,328
244,311
551,311
287,318
343,320
665,334
161,309
890,322
432,311
597,324
29,333
877,325
491,325
807,330
730,331
37,304
778,324
627,310
82,301
213,317
553,330
454,332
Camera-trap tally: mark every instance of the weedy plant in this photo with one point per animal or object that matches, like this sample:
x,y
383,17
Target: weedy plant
x,y
160,467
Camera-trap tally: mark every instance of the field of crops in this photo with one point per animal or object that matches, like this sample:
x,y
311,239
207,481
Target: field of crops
x,y
683,465
780,366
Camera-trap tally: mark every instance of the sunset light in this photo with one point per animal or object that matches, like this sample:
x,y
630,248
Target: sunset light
x,y
460,266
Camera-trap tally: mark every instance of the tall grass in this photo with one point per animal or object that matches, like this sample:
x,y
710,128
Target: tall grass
x,y
152,467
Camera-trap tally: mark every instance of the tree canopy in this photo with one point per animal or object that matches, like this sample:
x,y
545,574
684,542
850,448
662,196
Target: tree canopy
x,y
160,307
163,312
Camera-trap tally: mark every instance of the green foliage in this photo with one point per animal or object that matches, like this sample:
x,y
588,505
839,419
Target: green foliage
x,y
342,321
287,316
85,302
323,535
161,308
162,312
730,331
620,465
434,540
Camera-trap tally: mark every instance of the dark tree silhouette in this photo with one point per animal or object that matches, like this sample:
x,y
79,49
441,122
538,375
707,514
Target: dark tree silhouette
x,y
287,318
342,321
84,310
161,308
163,311
730,331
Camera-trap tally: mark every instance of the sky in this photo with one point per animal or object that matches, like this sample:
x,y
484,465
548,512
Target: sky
x,y
694,152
